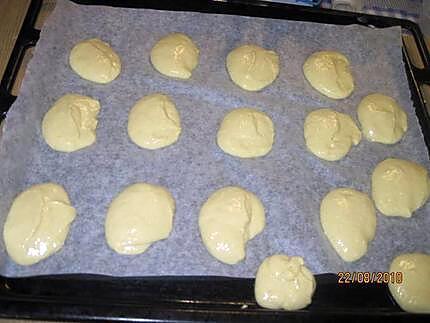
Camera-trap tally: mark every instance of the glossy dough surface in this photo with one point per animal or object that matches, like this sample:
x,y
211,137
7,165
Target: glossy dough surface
x,y
95,60
139,216
252,67
154,122
70,124
246,133
284,282
38,223
413,293
228,219
348,219
329,73
382,119
399,187
330,134
175,55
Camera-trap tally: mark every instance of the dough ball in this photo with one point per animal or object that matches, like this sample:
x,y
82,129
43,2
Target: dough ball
x,y
175,55
139,216
154,122
284,282
399,187
382,119
246,133
348,219
38,223
252,67
329,134
94,60
70,124
412,288
228,219
328,72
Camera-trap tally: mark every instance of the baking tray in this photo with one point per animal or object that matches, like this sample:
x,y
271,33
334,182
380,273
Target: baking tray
x,y
173,298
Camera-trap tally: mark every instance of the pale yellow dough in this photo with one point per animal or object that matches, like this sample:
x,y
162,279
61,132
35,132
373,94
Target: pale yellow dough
x,y
252,67
94,60
246,133
139,216
175,55
329,134
70,124
413,292
284,282
382,119
348,219
38,223
329,73
154,122
228,219
400,187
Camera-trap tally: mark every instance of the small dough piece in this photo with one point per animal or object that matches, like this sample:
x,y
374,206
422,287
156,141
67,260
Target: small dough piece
x,y
252,67
38,223
328,72
413,292
139,216
70,124
348,219
382,119
175,55
228,219
154,122
246,133
94,60
400,187
329,134
284,282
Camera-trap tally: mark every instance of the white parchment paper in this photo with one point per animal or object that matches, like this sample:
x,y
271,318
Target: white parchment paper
x,y
290,181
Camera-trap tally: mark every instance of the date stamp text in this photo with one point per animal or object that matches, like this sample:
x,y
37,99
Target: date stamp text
x,y
367,277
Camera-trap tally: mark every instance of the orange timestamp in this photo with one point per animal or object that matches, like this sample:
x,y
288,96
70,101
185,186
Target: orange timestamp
x,y
367,277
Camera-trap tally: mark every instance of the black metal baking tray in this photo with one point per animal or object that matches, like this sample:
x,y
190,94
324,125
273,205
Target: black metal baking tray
x,y
172,298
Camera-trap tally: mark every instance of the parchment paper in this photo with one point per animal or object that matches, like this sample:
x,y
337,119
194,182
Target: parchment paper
x,y
290,181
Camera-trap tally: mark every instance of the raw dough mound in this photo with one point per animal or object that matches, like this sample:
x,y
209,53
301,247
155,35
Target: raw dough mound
x,y
70,124
400,187
246,133
329,134
284,282
38,223
328,72
139,216
94,60
348,219
228,219
154,122
175,55
252,67
382,119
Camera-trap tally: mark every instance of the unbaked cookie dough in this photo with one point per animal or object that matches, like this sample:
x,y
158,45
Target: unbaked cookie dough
x,y
329,134
246,133
399,187
328,72
154,122
70,124
38,223
94,60
348,219
175,55
411,286
228,219
382,119
139,216
252,67
284,282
